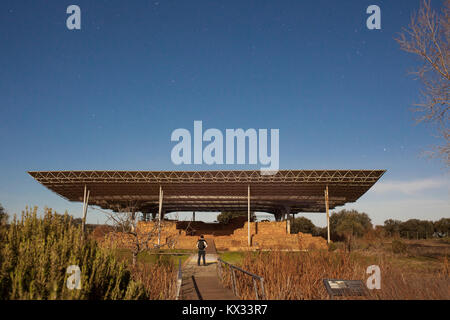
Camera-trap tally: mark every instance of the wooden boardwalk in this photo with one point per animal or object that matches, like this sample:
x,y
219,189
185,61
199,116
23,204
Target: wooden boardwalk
x,y
202,282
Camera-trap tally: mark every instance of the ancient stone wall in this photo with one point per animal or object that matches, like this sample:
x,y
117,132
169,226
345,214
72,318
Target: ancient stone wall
x,y
233,236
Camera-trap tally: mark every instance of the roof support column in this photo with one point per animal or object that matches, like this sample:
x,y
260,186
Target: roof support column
x,y
287,212
85,207
133,219
159,214
278,215
248,207
328,214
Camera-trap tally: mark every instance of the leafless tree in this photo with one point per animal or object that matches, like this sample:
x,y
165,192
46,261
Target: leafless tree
x,y
427,36
125,221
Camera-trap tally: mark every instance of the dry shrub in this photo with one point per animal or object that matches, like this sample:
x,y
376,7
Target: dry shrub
x,y
399,247
397,284
433,252
35,253
157,279
445,267
294,276
298,276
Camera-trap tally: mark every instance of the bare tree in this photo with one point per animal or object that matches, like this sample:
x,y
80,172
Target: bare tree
x,y
427,36
126,222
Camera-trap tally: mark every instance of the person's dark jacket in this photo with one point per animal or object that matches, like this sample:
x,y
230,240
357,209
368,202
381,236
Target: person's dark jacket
x,y
199,244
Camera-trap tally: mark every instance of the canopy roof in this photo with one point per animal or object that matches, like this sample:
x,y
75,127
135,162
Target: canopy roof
x,y
300,190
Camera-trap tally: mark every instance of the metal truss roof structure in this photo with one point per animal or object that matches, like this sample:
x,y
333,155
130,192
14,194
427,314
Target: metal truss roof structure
x,y
212,191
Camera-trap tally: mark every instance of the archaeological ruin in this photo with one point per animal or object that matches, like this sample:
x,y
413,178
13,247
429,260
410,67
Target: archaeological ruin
x,y
153,194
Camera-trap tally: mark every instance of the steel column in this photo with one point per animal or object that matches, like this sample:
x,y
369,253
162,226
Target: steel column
x,y
159,214
328,214
248,207
85,207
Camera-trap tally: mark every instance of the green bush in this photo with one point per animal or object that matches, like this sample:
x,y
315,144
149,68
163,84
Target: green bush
x,y
303,225
442,226
332,246
346,224
37,251
398,246
225,217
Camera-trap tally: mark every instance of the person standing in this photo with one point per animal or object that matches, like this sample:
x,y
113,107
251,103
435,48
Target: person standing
x,y
201,246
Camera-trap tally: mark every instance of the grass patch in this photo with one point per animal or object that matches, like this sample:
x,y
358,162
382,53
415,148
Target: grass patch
x,y
187,251
365,259
445,240
422,256
416,264
153,257
233,257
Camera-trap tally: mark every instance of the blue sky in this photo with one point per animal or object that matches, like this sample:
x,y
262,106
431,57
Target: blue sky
x,y
108,96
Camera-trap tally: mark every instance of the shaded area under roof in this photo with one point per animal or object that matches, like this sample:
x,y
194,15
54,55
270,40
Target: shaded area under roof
x,y
300,190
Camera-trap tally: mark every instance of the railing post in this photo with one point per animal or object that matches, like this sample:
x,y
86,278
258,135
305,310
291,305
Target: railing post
x,y
256,288
263,290
233,276
179,280
234,282
219,269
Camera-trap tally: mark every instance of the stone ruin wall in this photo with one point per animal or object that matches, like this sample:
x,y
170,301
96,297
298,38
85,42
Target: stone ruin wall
x,y
231,237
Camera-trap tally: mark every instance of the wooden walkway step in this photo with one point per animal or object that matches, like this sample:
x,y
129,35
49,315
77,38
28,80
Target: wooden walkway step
x,y
202,282
211,249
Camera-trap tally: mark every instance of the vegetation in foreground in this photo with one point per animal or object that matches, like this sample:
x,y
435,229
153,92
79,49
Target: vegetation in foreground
x,y
417,271
36,252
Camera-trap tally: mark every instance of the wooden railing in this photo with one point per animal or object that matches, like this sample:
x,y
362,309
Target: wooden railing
x,y
259,292
179,280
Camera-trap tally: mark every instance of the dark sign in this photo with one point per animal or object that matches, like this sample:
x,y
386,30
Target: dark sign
x,y
347,288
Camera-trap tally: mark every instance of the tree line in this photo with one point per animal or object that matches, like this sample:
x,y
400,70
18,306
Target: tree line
x,y
351,223
413,228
